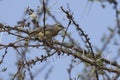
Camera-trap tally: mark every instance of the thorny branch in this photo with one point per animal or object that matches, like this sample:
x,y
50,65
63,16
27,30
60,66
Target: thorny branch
x,y
70,17
25,41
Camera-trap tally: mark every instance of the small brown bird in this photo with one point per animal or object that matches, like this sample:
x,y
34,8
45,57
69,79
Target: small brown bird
x,y
50,32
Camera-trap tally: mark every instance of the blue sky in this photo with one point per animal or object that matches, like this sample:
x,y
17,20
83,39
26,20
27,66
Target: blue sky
x,y
94,22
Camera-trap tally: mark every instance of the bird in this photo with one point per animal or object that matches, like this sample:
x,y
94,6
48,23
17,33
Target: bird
x,y
48,32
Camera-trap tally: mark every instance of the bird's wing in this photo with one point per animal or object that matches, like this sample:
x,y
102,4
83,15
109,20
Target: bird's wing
x,y
49,28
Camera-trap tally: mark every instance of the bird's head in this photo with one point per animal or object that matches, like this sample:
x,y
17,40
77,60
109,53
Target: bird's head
x,y
58,27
